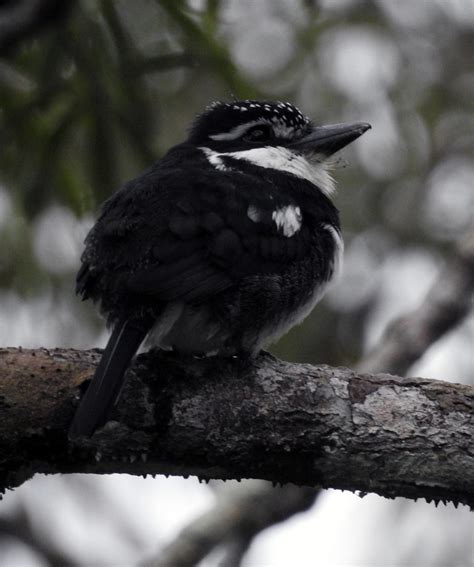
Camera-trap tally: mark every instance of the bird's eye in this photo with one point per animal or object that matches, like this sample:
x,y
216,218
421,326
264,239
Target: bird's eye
x,y
260,133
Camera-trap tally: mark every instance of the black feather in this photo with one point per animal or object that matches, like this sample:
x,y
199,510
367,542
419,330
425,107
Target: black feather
x,y
104,390
203,239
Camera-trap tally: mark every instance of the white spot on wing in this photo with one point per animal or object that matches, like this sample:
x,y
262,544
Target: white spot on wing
x,y
254,213
288,220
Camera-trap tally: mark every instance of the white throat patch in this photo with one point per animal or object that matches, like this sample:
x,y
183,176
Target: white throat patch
x,y
314,169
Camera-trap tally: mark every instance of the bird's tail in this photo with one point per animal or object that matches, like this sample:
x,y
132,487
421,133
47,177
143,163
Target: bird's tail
x,y
104,390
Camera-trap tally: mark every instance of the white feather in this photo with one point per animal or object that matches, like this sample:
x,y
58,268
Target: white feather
x,y
254,213
314,169
215,159
238,131
288,220
339,250
280,129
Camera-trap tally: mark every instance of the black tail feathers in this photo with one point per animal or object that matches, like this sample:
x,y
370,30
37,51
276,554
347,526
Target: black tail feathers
x,y
108,379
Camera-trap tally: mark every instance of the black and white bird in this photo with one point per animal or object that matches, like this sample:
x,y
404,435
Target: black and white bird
x,y
218,248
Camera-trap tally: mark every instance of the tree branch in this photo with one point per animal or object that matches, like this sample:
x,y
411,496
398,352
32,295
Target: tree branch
x,y
445,306
18,526
237,516
30,434
405,340
220,418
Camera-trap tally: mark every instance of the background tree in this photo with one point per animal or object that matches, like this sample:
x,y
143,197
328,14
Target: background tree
x,y
92,94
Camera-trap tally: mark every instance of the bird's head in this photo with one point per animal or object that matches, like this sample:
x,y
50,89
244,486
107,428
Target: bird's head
x,y
273,135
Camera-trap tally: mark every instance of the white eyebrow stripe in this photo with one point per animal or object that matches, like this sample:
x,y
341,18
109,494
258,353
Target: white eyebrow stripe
x,y
281,128
237,131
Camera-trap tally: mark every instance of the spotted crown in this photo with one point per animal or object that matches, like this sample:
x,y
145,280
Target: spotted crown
x,y
221,117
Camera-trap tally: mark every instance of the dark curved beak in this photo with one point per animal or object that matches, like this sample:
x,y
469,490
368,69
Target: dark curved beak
x,y
329,139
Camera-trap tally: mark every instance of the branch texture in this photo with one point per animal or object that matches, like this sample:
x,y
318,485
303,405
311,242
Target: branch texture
x,y
219,418
404,342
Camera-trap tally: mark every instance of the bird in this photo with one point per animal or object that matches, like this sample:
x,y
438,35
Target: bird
x,y
217,249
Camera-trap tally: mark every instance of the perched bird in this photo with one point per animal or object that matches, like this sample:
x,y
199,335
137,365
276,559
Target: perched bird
x,y
219,247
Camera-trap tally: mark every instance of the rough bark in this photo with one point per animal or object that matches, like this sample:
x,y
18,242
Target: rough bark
x,y
404,342
268,419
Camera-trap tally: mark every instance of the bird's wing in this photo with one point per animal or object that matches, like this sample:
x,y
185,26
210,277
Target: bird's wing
x,y
188,239
217,235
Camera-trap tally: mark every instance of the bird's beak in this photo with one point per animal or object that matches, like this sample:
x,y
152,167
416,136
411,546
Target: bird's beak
x,y
329,139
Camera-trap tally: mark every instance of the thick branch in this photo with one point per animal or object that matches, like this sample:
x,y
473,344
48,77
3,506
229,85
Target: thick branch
x,y
445,305
268,419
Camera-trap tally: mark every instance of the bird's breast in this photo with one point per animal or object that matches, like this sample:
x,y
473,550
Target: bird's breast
x,y
257,311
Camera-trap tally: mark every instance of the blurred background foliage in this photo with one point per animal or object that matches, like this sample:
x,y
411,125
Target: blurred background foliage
x,y
96,97
103,92
91,99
